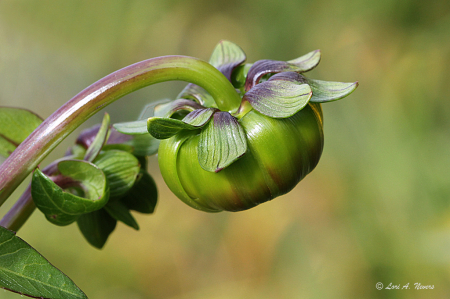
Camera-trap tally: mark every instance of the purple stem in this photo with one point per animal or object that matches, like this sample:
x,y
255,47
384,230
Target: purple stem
x,y
102,93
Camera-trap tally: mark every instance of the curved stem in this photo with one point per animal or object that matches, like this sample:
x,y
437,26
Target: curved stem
x,y
102,93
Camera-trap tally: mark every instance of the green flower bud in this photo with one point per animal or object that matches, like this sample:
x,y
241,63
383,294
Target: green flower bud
x,y
216,156
281,151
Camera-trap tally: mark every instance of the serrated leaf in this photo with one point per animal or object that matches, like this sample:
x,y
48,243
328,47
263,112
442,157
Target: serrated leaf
x,y
163,128
61,207
15,126
264,67
96,227
222,142
119,211
99,140
226,57
137,127
198,94
281,96
143,195
120,168
25,271
327,91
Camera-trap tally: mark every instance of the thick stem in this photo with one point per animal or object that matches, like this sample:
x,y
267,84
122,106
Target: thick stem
x,y
102,93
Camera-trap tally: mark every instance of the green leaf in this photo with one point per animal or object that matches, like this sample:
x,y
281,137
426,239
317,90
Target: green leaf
x,y
96,227
226,57
61,207
221,143
119,211
163,128
327,91
143,196
132,128
24,271
15,126
281,96
99,140
121,169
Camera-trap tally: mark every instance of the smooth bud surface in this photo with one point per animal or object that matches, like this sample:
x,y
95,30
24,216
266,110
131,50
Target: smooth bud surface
x,y
281,151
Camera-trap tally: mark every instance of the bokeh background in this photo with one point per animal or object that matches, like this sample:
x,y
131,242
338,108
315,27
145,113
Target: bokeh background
x,y
377,207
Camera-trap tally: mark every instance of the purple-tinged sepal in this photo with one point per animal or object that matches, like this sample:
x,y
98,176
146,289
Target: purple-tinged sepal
x,y
198,94
281,96
169,109
264,67
163,127
198,118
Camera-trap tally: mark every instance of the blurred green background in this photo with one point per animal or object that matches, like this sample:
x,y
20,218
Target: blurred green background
x,y
377,207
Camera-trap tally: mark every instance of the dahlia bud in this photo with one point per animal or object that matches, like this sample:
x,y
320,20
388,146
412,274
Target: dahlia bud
x,y
218,159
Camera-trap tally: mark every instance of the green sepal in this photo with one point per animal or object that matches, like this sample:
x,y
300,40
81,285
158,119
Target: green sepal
x,y
163,128
61,207
198,118
226,57
222,142
119,211
196,93
96,227
137,127
142,142
171,108
306,62
118,146
23,270
150,109
143,195
144,145
99,140
121,170
77,151
240,74
328,91
15,126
